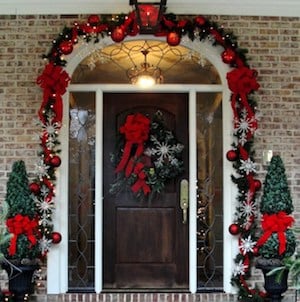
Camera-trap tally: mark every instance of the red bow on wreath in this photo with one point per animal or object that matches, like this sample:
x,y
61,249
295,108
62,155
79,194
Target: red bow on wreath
x,y
18,225
54,80
136,130
276,223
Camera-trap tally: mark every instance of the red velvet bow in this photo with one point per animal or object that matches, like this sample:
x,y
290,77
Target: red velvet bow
x,y
276,223
242,81
140,183
54,80
18,225
136,130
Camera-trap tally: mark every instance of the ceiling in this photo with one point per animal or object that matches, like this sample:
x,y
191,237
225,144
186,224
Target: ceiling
x,y
112,63
205,7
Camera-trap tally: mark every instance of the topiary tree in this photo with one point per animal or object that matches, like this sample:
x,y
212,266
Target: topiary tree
x,y
21,218
277,240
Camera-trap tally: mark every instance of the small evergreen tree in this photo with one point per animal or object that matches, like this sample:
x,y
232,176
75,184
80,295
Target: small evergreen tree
x,y
21,218
276,205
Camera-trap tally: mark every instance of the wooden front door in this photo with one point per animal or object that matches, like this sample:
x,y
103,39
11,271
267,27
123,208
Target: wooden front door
x,y
145,243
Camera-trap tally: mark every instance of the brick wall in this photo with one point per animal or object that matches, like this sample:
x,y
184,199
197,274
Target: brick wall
x,y
273,49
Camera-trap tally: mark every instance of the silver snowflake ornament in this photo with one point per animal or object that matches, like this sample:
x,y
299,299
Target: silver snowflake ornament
x,y
248,166
247,245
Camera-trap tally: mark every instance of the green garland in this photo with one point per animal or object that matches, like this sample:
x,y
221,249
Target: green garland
x,y
241,82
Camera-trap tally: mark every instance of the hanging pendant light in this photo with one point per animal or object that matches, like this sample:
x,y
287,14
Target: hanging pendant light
x,y
149,14
145,75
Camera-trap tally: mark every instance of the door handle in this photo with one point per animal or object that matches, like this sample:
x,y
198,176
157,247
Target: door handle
x,y
184,199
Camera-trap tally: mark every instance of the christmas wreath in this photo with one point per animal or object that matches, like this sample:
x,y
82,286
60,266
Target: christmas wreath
x,y
148,155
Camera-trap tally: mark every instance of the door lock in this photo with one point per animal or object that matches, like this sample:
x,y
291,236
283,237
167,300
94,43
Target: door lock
x,y
184,199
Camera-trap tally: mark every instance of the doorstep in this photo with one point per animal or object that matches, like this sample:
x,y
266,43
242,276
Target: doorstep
x,y
136,297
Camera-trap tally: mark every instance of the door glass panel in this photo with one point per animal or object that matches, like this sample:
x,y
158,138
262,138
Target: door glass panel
x,y
210,191
81,260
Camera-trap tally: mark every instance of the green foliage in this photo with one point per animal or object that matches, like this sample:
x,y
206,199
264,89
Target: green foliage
x,y
276,195
18,195
270,249
20,201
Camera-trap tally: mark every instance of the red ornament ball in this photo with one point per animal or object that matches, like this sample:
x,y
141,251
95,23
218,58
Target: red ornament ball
x,y
56,237
234,229
231,155
118,34
34,188
93,19
55,161
173,38
200,20
66,47
47,159
257,184
255,251
228,56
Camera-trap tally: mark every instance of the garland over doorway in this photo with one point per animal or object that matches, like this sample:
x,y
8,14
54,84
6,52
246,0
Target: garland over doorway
x,y
242,82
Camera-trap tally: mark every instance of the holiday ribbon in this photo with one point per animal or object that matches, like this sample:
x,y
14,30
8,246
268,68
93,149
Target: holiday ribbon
x,y
242,81
141,182
275,223
18,225
54,81
136,130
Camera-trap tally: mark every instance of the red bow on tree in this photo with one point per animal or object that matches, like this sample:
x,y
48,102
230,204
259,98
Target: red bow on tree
x,y
18,225
276,223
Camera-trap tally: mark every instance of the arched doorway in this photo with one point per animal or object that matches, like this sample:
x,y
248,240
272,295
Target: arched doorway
x,y
203,98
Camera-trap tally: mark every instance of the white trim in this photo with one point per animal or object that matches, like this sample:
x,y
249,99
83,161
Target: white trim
x,y
288,8
99,192
193,191
58,283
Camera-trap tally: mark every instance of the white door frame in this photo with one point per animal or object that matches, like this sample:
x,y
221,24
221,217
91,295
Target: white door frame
x,y
57,274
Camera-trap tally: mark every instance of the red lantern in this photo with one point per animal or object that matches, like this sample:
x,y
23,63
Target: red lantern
x,y
93,19
56,237
66,47
231,155
234,229
173,38
55,161
118,34
228,56
34,188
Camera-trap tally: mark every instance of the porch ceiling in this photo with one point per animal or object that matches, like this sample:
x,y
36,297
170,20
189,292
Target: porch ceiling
x,y
206,7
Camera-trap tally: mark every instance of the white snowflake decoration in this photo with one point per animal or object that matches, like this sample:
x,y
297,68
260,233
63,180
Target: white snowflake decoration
x,y
164,151
247,245
240,269
248,208
244,125
51,129
44,245
41,169
248,166
44,206
45,220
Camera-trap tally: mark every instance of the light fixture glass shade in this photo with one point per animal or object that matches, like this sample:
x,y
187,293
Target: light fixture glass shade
x,y
145,75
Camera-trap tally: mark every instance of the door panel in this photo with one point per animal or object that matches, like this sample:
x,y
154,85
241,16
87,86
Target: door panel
x,y
145,243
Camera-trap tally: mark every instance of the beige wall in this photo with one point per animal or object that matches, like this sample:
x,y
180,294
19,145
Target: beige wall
x,y
273,45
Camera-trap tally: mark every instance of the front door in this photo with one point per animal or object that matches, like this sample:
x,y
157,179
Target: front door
x,y
145,241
